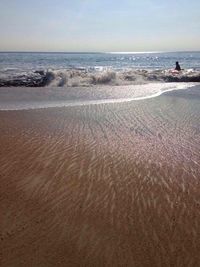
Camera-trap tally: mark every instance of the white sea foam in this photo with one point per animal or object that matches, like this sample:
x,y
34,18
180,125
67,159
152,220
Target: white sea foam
x,y
54,97
109,76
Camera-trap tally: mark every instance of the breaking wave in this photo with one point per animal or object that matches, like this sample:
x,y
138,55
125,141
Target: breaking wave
x,y
97,76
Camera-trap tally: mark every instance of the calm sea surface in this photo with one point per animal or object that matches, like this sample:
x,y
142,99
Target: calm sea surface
x,y
18,62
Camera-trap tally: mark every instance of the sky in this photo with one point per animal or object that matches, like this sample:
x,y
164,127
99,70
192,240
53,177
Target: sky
x,y
99,25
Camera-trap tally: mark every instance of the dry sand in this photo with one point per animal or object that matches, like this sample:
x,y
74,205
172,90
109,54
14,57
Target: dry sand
x,y
102,185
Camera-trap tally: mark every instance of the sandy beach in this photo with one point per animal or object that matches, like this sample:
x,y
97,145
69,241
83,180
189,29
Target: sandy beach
x,y
102,185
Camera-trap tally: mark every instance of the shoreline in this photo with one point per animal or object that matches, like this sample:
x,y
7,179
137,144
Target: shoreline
x,y
25,98
102,185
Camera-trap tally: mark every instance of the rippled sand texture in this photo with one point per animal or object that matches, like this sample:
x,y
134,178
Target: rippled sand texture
x,y
102,185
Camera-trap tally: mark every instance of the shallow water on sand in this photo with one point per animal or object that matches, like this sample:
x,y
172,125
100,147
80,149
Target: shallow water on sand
x,y
25,98
102,185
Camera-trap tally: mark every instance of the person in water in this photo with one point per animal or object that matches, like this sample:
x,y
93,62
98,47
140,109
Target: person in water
x,y
177,66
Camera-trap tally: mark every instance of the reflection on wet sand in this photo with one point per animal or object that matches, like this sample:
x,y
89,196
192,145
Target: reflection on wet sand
x,y
102,185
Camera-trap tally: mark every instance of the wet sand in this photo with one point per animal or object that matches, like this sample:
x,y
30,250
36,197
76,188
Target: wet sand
x,y
102,185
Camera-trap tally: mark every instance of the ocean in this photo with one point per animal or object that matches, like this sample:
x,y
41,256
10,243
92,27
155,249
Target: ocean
x,y
27,61
91,77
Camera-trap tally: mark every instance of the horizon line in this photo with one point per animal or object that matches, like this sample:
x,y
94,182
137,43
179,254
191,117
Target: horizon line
x,y
100,52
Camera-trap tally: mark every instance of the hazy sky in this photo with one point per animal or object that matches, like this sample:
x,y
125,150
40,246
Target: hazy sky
x,y
99,25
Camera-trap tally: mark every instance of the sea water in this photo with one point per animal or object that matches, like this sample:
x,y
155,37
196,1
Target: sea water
x,y
41,61
91,77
